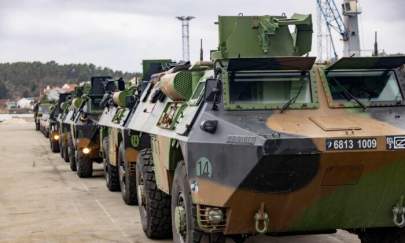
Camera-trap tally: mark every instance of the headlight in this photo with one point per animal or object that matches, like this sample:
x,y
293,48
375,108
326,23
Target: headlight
x,y
56,137
86,150
215,215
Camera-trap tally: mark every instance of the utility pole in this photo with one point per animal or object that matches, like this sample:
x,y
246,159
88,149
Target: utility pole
x,y
375,53
201,50
185,35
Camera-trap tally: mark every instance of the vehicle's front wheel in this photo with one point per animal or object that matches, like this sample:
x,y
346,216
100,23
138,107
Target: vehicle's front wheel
x,y
37,126
54,146
154,205
184,225
84,165
127,178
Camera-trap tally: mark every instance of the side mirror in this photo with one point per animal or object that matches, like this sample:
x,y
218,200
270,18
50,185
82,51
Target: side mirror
x,y
212,90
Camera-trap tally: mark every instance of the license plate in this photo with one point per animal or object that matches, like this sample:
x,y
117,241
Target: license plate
x,y
396,143
351,144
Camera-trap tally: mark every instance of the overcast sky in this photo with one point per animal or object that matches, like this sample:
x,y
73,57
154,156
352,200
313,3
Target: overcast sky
x,y
120,33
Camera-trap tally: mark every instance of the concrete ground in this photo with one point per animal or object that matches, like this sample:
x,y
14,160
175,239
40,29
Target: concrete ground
x,y
41,200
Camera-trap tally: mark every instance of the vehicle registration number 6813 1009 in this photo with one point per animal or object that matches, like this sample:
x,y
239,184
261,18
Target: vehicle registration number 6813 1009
x,y
351,144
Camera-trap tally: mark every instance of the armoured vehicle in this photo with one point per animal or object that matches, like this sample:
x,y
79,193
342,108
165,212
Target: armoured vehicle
x,y
84,140
40,107
63,128
42,116
118,145
54,125
264,141
67,122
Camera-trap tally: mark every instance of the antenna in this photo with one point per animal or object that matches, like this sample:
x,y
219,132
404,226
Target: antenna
x,y
201,50
375,53
185,36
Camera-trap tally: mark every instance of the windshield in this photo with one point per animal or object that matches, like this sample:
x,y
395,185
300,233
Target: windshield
x,y
367,86
269,87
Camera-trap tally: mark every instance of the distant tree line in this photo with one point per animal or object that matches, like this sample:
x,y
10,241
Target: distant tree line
x,y
27,79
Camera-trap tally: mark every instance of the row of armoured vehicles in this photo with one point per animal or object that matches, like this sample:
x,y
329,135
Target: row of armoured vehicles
x,y
259,140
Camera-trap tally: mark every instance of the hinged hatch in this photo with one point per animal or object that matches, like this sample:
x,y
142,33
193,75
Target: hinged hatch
x,y
357,63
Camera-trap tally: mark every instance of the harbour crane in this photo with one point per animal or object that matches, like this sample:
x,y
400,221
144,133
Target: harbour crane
x,y
345,24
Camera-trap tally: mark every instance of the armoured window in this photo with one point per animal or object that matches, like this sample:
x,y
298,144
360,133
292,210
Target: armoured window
x,y
369,86
269,87
43,109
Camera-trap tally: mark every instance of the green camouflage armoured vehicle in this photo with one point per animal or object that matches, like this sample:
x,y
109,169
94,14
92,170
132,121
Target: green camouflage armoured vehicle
x,y
67,122
54,130
119,147
63,127
262,141
84,131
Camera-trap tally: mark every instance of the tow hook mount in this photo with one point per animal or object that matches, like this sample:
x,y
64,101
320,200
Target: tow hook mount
x,y
262,221
398,212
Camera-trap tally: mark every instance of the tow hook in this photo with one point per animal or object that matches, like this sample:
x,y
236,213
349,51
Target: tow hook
x,y
262,221
399,213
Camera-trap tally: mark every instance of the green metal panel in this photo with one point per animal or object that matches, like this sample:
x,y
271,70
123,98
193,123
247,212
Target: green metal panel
x,y
263,36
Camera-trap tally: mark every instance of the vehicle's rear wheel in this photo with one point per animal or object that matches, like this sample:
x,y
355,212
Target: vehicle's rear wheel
x,y
37,126
382,235
65,152
60,142
110,171
71,155
154,205
127,178
84,165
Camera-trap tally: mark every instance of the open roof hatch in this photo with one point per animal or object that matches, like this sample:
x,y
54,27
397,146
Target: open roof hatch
x,y
357,63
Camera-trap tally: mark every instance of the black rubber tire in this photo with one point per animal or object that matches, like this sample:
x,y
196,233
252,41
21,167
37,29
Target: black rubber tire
x,y
383,235
61,147
37,126
84,165
72,155
65,152
181,192
127,178
154,207
110,171
54,146
111,176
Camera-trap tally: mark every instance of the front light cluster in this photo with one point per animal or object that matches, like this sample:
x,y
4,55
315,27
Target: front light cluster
x,y
86,150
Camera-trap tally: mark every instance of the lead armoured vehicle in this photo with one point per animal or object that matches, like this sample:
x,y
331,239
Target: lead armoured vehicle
x,y
42,116
118,145
263,141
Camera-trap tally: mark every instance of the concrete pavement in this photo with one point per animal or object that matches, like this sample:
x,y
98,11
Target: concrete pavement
x,y
41,200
